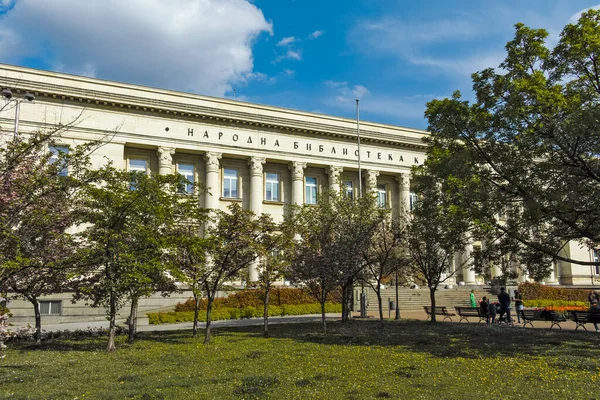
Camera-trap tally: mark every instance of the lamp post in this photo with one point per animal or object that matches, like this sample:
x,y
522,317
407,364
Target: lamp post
x,y
8,95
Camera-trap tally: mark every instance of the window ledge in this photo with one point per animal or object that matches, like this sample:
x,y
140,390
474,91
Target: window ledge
x,y
234,199
275,203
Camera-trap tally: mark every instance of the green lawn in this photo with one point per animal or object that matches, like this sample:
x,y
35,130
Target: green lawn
x,y
406,359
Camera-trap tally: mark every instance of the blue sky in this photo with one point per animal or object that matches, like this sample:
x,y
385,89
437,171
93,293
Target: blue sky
x,y
304,54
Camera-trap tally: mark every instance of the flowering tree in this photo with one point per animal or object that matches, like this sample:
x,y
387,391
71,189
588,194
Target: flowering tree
x,y
40,196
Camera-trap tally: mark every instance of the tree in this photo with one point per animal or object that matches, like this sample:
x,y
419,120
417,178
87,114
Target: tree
x,y
187,249
233,247
275,245
386,256
128,216
528,147
40,195
315,262
437,230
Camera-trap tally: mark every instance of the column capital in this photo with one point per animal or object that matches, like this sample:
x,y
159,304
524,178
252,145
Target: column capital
x,y
165,156
403,179
334,171
297,169
212,161
256,165
372,174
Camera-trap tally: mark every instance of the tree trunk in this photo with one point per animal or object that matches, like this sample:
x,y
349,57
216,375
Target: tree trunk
x,y
208,318
132,320
432,298
344,304
112,312
38,320
266,312
196,308
323,316
378,293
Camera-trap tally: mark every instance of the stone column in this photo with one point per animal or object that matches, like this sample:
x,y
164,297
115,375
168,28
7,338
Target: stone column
x,y
165,160
551,279
334,173
297,169
213,184
256,199
404,192
371,183
467,262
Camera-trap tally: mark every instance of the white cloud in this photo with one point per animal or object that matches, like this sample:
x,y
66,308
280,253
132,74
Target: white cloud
x,y
575,17
315,34
193,45
289,72
343,96
286,41
294,55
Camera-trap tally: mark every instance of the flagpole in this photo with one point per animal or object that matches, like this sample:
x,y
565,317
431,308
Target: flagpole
x,y
358,138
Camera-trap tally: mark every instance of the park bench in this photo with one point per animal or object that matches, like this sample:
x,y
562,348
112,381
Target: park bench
x,y
439,310
528,316
465,312
585,317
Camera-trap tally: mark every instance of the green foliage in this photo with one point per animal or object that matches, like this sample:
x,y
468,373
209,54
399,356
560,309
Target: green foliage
x,y
535,291
223,313
553,303
532,126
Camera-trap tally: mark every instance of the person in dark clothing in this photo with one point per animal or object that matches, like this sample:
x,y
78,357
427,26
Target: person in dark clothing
x,y
504,300
593,297
484,309
518,304
594,308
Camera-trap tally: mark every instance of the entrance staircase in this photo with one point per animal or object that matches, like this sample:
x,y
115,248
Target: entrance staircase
x,y
415,299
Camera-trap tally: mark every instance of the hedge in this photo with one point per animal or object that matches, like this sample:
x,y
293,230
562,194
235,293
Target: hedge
x,y
254,298
536,291
554,303
244,312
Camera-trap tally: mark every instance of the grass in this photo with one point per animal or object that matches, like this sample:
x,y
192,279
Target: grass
x,y
358,360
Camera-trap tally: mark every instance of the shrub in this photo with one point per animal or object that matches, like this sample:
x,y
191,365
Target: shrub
x,y
254,298
554,303
535,291
225,313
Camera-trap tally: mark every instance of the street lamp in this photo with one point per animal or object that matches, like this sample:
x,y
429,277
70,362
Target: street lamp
x,y
8,95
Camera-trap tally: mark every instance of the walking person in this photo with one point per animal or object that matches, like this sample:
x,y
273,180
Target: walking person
x,y
518,304
504,300
472,298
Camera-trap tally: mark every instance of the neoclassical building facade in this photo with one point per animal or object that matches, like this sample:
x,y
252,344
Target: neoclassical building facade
x,y
265,158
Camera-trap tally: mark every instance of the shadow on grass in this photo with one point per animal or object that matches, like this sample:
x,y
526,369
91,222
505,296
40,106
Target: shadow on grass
x,y
443,339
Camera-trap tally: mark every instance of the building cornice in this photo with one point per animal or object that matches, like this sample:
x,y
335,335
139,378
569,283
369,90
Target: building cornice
x,y
123,97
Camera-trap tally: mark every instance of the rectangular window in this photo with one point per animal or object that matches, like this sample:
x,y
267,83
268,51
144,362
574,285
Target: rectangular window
x,y
56,152
382,196
230,183
311,190
137,166
349,189
413,201
53,307
272,187
188,177
596,259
